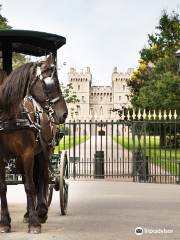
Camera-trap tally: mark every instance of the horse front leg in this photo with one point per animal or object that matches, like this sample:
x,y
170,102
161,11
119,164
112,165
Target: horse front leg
x,y
42,178
5,223
34,224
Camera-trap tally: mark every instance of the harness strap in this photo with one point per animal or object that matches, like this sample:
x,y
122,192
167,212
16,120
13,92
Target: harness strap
x,y
17,124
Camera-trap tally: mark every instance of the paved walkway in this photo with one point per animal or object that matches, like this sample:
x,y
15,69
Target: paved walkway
x,y
117,160
104,210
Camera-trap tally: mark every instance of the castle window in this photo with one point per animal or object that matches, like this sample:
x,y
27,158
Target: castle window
x,y
110,99
83,99
101,110
124,87
101,99
119,98
78,109
78,87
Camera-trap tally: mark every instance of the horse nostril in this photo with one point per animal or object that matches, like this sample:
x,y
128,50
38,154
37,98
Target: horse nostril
x,y
65,115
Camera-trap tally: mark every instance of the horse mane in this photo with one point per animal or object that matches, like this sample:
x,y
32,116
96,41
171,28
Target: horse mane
x,y
14,88
3,75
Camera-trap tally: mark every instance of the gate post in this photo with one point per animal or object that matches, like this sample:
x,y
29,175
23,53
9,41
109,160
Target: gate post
x,y
74,150
178,181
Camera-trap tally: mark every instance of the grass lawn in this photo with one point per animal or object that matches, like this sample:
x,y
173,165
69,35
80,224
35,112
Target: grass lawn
x,y
164,157
68,142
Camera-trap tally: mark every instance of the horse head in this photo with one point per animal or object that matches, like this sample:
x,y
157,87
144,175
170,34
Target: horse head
x,y
47,92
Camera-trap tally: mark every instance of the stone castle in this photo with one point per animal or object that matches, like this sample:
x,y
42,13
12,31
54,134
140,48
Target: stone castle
x,y
98,101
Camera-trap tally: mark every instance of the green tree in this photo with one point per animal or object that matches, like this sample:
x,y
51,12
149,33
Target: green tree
x,y
18,59
3,21
68,93
155,84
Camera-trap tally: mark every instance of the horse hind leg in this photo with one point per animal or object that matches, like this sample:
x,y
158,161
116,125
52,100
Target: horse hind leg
x,y
5,223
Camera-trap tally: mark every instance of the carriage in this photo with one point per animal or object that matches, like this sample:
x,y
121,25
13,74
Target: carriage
x,y
36,44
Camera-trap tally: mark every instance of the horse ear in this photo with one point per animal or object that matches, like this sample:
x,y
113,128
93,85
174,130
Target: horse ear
x,y
50,59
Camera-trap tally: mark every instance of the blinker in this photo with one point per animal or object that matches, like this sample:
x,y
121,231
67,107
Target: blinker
x,y
49,84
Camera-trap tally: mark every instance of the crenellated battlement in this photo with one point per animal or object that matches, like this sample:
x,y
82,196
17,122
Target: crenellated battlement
x,y
121,76
79,76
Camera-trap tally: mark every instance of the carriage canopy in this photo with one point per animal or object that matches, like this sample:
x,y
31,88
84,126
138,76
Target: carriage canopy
x,y
27,42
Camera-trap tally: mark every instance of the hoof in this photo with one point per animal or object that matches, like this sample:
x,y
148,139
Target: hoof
x,y
34,230
42,219
5,229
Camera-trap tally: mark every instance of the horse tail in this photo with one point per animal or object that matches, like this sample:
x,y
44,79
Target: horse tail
x,y
40,175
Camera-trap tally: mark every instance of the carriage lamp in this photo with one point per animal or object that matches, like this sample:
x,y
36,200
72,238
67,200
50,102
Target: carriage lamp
x,y
178,60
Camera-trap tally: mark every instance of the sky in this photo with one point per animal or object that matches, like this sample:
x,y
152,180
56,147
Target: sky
x,y
100,34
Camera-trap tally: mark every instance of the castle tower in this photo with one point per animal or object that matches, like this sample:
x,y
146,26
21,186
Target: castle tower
x,y
120,89
81,83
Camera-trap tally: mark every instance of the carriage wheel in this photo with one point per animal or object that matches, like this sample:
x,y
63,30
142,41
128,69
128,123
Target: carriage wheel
x,y
50,194
63,184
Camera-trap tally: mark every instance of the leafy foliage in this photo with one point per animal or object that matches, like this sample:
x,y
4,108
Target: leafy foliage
x,y
156,84
18,59
3,21
68,93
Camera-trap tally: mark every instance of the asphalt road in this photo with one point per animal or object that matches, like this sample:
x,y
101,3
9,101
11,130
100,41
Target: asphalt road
x,y
104,210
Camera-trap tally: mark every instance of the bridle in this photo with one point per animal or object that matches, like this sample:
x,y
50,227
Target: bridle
x,y
49,86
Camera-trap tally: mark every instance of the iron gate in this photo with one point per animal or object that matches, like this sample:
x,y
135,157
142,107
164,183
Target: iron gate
x,y
144,151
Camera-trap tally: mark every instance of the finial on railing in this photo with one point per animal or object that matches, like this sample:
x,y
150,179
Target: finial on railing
x,y
139,114
149,115
134,114
128,115
160,115
175,115
144,114
154,114
165,115
170,115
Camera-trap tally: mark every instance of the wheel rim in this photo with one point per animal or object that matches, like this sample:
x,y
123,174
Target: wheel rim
x,y
64,186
